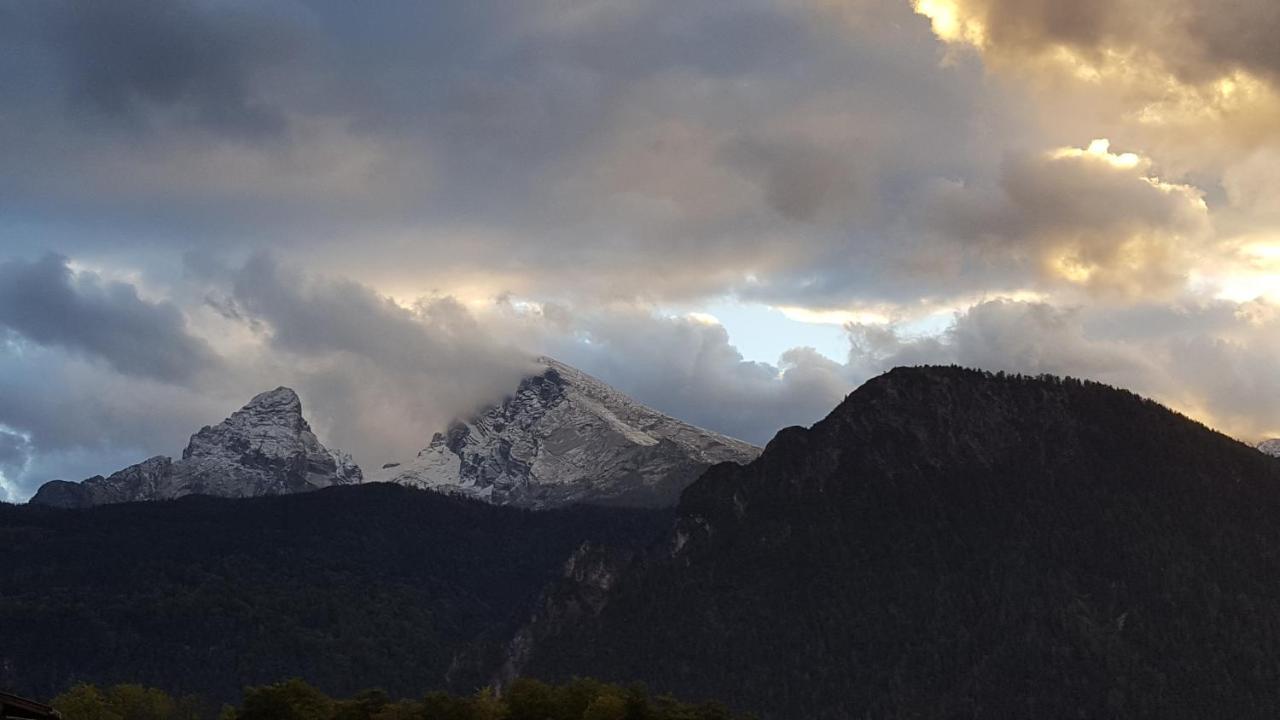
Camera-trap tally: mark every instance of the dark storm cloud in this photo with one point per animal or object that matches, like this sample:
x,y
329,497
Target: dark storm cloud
x,y
799,180
643,149
1240,34
48,303
130,58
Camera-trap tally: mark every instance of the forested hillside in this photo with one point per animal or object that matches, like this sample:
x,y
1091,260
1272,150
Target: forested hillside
x,y
347,588
949,543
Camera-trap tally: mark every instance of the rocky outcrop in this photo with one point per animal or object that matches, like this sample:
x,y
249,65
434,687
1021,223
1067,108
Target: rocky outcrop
x,y
564,437
570,605
264,448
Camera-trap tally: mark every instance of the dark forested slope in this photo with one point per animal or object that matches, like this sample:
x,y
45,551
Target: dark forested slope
x,y
348,588
949,543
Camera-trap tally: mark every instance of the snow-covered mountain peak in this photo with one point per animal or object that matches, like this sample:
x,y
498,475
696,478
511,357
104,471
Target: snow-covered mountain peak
x,y
264,448
1270,447
562,437
271,424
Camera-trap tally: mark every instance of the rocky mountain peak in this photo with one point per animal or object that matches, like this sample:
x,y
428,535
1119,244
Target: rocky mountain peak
x,y
1270,447
563,437
264,448
282,403
271,425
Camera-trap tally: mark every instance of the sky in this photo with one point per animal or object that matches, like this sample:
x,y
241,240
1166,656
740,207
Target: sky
x,y
735,212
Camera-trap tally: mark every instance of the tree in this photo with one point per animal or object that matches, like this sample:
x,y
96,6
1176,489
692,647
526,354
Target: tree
x,y
366,705
606,707
135,702
288,700
85,702
530,700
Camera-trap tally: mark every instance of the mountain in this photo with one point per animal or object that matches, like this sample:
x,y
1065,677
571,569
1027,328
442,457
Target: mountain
x,y
949,543
347,587
264,448
1270,447
565,437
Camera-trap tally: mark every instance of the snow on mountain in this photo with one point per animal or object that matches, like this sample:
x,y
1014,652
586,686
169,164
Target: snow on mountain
x,y
264,448
1270,447
565,437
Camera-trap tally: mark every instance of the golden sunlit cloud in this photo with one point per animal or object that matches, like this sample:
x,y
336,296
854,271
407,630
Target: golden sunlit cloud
x,y
1252,274
1243,288
1099,149
1143,69
1149,250
1265,252
949,23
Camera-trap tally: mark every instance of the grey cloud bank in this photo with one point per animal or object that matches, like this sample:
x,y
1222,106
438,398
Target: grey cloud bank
x,y
48,303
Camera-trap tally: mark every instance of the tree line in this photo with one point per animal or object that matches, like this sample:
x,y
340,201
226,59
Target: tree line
x,y
579,699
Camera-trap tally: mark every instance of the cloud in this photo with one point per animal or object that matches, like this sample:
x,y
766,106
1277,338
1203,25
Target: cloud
x,y
798,180
1088,217
15,455
47,302
690,369
601,152
1024,337
1229,376
638,153
1195,39
1195,82
1211,360
379,378
75,418
138,60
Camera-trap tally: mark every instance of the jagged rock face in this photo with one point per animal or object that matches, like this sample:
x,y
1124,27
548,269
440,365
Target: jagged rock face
x,y
1270,447
264,448
566,607
565,437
